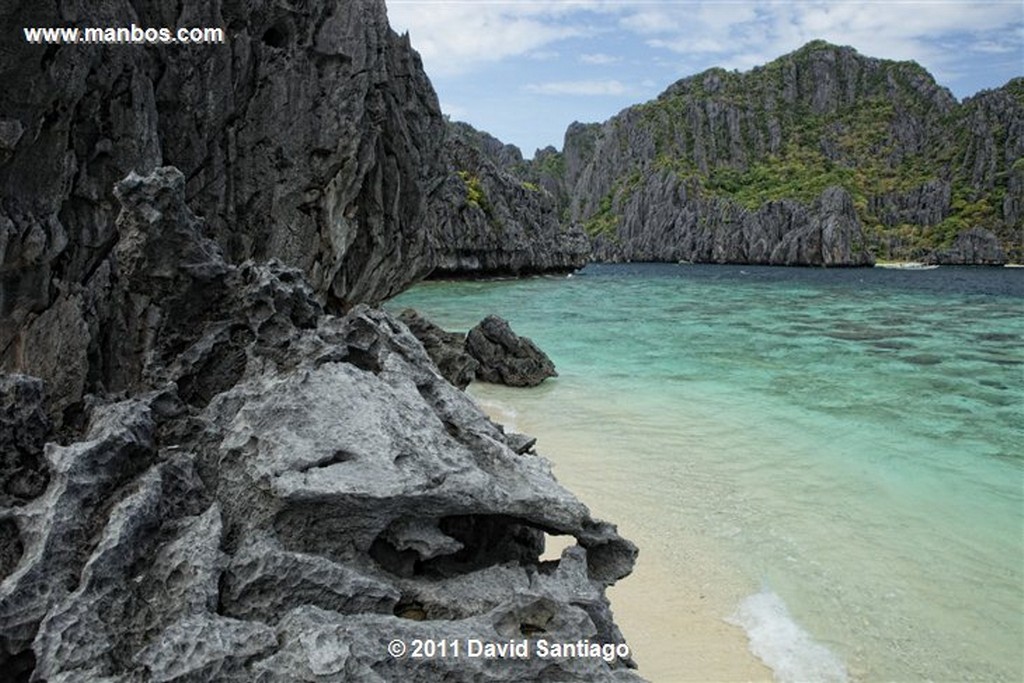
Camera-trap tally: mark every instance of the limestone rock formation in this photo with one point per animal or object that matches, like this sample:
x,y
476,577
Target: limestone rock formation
x,y
25,427
204,476
670,221
712,158
505,357
975,247
274,493
491,219
311,135
446,349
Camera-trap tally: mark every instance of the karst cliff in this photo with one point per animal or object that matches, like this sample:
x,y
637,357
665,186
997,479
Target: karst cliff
x,y
823,156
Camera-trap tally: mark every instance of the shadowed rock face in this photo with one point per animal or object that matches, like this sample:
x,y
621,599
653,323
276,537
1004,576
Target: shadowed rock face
x,y
490,219
506,358
973,247
311,136
24,429
446,349
281,494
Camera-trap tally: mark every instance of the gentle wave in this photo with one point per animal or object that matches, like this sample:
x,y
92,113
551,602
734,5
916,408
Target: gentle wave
x,y
778,641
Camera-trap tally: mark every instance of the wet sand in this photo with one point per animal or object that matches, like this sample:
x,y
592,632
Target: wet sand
x,y
672,609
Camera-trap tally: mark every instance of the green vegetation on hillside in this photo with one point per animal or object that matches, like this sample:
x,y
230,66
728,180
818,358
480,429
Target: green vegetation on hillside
x,y
475,195
919,166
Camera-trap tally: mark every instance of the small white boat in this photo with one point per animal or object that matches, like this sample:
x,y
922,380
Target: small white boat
x,y
908,265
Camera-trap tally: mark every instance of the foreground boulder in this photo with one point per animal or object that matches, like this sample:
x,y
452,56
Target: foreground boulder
x,y
505,357
276,494
446,349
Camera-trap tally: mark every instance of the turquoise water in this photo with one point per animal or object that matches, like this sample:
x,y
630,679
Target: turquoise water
x,y
852,440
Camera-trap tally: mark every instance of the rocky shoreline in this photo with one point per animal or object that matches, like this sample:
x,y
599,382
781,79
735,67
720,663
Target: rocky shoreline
x,y
219,462
282,494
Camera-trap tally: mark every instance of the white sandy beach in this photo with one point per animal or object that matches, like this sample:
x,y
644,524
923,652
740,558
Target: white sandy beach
x,y
672,609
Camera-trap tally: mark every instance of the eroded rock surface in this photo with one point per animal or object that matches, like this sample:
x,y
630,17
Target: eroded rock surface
x,y
492,218
446,349
275,494
975,247
311,135
25,427
505,357
669,220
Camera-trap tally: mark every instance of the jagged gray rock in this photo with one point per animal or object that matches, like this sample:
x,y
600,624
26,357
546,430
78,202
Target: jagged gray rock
x,y
913,157
974,247
312,135
927,204
446,349
25,427
282,494
344,176
669,220
492,220
833,235
505,357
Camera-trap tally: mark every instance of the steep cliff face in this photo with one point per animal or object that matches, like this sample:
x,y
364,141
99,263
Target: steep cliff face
x,y
919,167
973,247
673,222
492,218
312,135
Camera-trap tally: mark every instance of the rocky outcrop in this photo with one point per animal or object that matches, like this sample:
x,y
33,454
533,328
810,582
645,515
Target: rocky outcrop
x,y
277,494
204,476
491,352
505,357
975,247
491,219
919,165
25,427
311,135
446,349
926,205
666,220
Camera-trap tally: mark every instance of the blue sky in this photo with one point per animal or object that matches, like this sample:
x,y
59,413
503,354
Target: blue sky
x,y
523,70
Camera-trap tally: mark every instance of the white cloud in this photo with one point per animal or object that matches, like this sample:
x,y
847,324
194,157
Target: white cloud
x,y
599,58
577,88
454,37
651,21
455,111
551,44
744,34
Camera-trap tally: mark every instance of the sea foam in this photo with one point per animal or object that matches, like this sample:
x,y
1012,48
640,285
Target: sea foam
x,y
778,641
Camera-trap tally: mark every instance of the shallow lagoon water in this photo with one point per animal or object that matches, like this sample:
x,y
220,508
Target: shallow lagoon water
x,y
851,442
